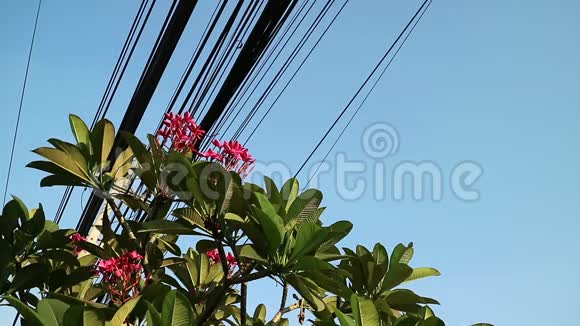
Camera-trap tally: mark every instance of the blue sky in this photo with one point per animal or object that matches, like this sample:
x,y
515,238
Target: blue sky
x,y
493,82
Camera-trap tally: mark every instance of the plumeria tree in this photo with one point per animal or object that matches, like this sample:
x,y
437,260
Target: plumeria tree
x,y
242,232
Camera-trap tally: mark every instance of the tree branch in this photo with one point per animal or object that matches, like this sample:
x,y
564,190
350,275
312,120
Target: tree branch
x,y
121,219
243,303
251,277
285,310
284,296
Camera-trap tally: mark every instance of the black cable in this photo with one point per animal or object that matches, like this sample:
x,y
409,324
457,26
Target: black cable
x,y
120,59
254,88
192,61
149,60
106,108
240,35
20,105
369,92
294,75
362,86
238,40
223,62
212,55
283,69
107,94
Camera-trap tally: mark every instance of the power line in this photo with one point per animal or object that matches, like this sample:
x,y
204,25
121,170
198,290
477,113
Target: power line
x,y
282,69
248,83
294,74
21,101
369,92
112,86
362,86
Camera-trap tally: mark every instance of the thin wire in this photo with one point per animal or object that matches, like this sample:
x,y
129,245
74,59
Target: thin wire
x,y
283,68
107,94
369,92
294,74
362,86
21,101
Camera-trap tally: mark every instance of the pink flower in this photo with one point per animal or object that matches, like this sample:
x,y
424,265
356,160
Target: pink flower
x,y
217,143
76,237
181,131
121,276
214,258
134,255
212,155
231,259
235,157
214,255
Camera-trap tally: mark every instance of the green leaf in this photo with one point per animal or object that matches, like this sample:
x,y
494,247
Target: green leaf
x,y
176,310
27,313
248,251
432,321
165,227
35,225
103,138
330,283
123,312
190,215
344,319
396,275
308,239
402,253
272,190
272,226
304,205
62,160
93,249
364,311
406,300
152,316
172,261
22,209
75,154
123,164
141,153
260,313
300,286
80,130
422,272
29,276
52,311
289,192
83,315
171,246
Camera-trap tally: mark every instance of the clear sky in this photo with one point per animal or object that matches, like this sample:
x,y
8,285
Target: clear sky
x,y
492,82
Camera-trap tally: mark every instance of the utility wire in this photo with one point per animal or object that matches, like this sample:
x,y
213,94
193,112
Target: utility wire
x,y
111,87
247,85
283,69
20,106
362,86
369,92
294,74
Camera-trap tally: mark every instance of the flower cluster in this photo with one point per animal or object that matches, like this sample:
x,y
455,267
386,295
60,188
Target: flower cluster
x,y
214,257
76,238
182,131
233,155
122,276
